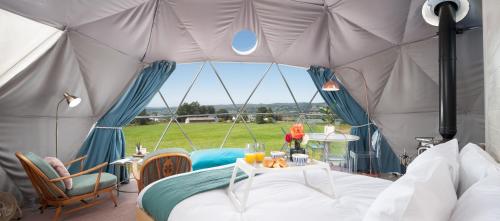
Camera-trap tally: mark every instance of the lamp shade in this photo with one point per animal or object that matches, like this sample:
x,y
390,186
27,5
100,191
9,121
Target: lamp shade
x,y
72,100
330,85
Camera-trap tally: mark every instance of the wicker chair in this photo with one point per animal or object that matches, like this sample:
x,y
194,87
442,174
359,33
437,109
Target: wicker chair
x,y
48,184
161,164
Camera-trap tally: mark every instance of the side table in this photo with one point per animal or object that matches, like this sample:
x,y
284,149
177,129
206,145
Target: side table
x,y
119,165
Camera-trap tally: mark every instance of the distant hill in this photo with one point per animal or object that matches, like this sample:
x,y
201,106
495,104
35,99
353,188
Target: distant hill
x,y
250,108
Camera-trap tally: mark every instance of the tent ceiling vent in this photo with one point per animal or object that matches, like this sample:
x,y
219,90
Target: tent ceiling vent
x,y
244,42
430,10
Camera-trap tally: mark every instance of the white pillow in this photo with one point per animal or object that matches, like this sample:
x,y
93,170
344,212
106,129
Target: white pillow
x,y
480,202
475,164
447,151
61,170
425,192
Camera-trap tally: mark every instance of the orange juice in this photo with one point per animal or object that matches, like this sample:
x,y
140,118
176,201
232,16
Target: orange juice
x,y
250,158
259,156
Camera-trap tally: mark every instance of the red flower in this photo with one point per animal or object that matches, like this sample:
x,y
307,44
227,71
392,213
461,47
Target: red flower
x,y
297,131
288,138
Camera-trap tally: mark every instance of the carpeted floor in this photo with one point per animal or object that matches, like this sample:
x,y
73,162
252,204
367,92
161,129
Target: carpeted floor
x,y
105,211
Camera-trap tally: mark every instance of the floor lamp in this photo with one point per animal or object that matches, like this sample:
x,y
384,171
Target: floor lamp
x,y
72,101
332,85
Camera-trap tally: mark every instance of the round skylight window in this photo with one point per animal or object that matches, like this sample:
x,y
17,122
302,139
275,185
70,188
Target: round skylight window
x,y
244,42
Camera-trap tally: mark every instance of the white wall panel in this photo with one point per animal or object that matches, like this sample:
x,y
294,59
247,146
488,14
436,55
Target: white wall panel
x,y
491,40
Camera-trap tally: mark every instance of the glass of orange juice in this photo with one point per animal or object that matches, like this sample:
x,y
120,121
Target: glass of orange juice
x,y
260,152
250,155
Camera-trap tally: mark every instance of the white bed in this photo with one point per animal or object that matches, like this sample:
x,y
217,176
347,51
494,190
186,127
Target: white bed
x,y
283,196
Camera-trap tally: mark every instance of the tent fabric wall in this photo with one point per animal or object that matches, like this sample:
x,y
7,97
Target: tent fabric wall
x,y
100,52
29,101
492,75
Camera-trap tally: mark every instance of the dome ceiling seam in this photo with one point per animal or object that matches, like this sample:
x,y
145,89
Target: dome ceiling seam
x,y
206,57
230,26
257,19
318,19
330,39
391,72
84,79
384,50
259,14
106,45
110,15
157,2
362,28
420,68
407,18
381,94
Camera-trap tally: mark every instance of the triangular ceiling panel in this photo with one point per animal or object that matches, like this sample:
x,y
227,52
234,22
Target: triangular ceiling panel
x,y
170,39
127,31
101,66
315,38
47,80
276,18
68,13
246,19
425,54
350,42
408,89
376,76
205,20
383,18
86,11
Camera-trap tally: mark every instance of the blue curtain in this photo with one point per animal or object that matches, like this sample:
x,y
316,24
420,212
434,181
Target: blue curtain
x,y
344,105
106,143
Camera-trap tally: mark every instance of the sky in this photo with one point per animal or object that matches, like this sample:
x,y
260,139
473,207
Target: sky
x,y
239,78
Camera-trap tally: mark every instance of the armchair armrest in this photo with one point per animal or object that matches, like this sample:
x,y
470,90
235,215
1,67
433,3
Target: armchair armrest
x,y
79,159
98,167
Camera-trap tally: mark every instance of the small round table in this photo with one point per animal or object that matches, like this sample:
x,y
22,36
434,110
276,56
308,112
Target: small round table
x,y
329,138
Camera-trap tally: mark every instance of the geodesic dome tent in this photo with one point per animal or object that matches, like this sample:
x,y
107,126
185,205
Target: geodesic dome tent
x,y
96,48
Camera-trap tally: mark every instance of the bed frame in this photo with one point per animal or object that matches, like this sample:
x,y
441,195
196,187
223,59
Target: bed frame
x,y
141,215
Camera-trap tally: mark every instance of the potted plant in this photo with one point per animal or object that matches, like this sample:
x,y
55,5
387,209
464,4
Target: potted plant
x,y
329,119
138,148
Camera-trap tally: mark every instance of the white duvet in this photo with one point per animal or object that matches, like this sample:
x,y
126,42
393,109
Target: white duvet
x,y
283,196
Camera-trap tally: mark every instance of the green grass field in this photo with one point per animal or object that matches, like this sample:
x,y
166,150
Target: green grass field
x,y
210,135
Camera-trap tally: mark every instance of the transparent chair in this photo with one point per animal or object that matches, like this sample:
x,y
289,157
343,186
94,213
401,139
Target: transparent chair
x,y
372,156
315,151
338,161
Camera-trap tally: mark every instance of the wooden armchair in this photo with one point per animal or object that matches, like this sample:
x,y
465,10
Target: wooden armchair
x,y
52,191
161,164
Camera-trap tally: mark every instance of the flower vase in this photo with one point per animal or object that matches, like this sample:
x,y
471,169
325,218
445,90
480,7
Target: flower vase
x,y
296,149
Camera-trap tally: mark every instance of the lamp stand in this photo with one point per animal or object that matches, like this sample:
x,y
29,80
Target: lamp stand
x,y
57,122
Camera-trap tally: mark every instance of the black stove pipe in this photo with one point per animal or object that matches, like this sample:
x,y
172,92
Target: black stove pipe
x,y
447,70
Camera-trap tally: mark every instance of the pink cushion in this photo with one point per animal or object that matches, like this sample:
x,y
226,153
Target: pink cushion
x,y
61,170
